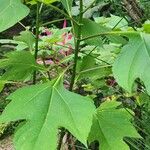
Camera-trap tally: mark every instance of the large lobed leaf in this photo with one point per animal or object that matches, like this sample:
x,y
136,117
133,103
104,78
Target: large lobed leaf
x,y
134,61
110,126
47,107
11,12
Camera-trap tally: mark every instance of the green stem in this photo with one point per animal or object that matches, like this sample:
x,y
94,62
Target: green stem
x,y
37,39
109,33
54,21
77,46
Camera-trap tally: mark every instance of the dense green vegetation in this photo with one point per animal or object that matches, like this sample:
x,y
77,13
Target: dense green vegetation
x,y
74,74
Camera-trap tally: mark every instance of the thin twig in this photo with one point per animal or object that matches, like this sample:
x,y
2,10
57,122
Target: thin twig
x,y
109,33
54,21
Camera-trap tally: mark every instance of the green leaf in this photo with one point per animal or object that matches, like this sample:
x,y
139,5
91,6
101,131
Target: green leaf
x,y
19,45
134,61
27,37
110,126
89,69
146,26
88,62
117,39
19,65
113,21
90,28
47,107
67,5
11,12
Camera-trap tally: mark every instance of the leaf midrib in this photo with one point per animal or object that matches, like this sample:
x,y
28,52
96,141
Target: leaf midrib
x,y
101,130
49,106
69,110
46,116
133,60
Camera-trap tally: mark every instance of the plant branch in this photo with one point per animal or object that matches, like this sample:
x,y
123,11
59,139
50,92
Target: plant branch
x,y
54,21
76,51
77,46
37,38
109,33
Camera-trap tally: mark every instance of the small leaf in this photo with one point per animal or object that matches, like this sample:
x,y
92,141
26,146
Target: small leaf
x,y
20,45
87,62
110,126
47,107
67,5
146,27
113,21
134,61
90,28
89,69
19,65
11,12
27,37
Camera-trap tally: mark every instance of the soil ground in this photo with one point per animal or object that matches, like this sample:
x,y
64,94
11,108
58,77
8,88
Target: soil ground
x,y
6,144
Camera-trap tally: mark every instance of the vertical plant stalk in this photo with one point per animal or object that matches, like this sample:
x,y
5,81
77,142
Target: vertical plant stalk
x,y
77,41
77,46
37,38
